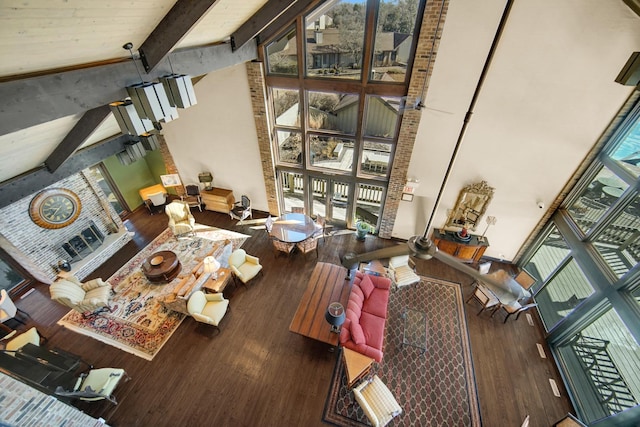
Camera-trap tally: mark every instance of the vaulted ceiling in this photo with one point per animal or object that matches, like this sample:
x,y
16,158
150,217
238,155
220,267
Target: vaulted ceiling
x,y
61,62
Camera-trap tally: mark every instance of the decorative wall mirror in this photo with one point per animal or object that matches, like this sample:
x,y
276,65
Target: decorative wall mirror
x,y
471,205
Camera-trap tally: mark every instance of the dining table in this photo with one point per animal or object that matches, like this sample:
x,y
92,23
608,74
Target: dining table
x,y
293,227
505,287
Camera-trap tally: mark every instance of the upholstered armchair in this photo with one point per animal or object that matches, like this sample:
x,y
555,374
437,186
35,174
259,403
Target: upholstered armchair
x,y
243,266
377,402
97,384
15,343
180,219
153,196
208,308
403,271
85,297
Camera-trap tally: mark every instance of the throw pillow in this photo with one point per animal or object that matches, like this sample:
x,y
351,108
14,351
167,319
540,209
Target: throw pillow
x,y
367,286
345,333
357,333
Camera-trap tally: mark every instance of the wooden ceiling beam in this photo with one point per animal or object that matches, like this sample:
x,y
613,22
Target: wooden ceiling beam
x,y
35,180
77,136
31,101
176,24
260,20
286,19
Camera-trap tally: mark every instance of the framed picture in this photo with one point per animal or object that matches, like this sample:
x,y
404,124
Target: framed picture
x,y
171,180
407,197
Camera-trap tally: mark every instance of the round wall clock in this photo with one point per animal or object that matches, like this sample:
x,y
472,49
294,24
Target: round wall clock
x,y
55,208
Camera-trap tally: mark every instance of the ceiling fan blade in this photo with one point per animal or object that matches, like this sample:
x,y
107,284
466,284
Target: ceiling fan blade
x,y
460,266
350,260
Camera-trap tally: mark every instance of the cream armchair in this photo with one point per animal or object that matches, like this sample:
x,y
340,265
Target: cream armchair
x,y
180,219
208,308
244,267
85,297
377,402
403,271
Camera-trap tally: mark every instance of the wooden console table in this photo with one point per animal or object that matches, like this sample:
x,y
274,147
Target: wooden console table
x,y
470,251
217,199
326,285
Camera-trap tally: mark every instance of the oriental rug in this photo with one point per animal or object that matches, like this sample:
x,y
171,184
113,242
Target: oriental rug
x,y
139,323
434,389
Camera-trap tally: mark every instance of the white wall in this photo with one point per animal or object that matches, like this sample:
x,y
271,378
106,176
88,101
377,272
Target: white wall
x,y
548,96
218,134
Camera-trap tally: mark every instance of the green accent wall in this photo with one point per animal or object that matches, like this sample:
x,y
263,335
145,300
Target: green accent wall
x,y
140,174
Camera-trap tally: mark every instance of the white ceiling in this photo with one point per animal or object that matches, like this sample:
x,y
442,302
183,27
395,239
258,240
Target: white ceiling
x,y
40,35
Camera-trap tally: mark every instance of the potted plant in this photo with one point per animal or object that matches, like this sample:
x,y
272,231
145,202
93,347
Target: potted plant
x,y
362,228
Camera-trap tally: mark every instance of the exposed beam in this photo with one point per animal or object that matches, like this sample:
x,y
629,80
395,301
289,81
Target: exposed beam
x,y
29,102
35,180
77,136
261,19
176,24
286,19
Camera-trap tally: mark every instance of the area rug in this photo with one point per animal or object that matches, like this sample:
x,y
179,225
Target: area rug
x,y
139,323
436,388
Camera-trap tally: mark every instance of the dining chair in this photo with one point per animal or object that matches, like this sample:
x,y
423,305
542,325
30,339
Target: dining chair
x,y
281,246
485,297
525,279
321,227
308,245
192,196
514,308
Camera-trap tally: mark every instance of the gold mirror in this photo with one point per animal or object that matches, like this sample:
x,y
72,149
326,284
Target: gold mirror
x,y
471,205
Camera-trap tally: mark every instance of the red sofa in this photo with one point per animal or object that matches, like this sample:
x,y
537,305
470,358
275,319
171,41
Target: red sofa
x,y
366,315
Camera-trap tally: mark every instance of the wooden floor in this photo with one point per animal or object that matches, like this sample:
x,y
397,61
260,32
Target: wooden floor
x,y
256,372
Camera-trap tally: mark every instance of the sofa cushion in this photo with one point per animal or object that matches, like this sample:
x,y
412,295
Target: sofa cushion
x,y
377,303
357,295
357,333
367,286
345,331
373,328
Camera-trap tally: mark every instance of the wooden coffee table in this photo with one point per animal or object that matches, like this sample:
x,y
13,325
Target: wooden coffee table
x,y
326,285
218,285
164,272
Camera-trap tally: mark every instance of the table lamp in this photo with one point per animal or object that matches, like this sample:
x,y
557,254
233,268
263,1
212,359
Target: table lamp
x,y
335,316
206,178
211,266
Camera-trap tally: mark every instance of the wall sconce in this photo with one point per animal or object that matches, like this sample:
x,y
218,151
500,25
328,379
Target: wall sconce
x,y
179,89
206,178
128,118
149,141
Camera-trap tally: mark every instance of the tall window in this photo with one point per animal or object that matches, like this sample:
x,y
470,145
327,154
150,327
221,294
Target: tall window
x,y
588,291
334,141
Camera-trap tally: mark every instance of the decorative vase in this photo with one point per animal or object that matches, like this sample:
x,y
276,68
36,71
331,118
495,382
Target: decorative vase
x,y
362,228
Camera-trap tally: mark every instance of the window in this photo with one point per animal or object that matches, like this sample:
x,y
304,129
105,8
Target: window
x,y
394,37
588,272
335,40
282,55
335,132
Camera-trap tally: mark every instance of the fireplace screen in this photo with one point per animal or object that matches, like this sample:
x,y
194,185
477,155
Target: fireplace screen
x,y
84,243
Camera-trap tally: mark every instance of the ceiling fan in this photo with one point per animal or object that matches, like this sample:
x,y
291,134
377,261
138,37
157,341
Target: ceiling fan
x,y
420,247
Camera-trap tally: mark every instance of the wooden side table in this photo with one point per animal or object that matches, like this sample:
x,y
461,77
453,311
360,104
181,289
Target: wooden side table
x,y
357,366
217,285
217,199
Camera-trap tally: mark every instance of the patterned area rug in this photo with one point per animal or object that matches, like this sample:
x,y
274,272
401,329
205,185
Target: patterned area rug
x,y
139,323
434,389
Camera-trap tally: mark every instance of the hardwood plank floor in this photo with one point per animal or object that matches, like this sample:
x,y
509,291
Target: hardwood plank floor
x,y
256,372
